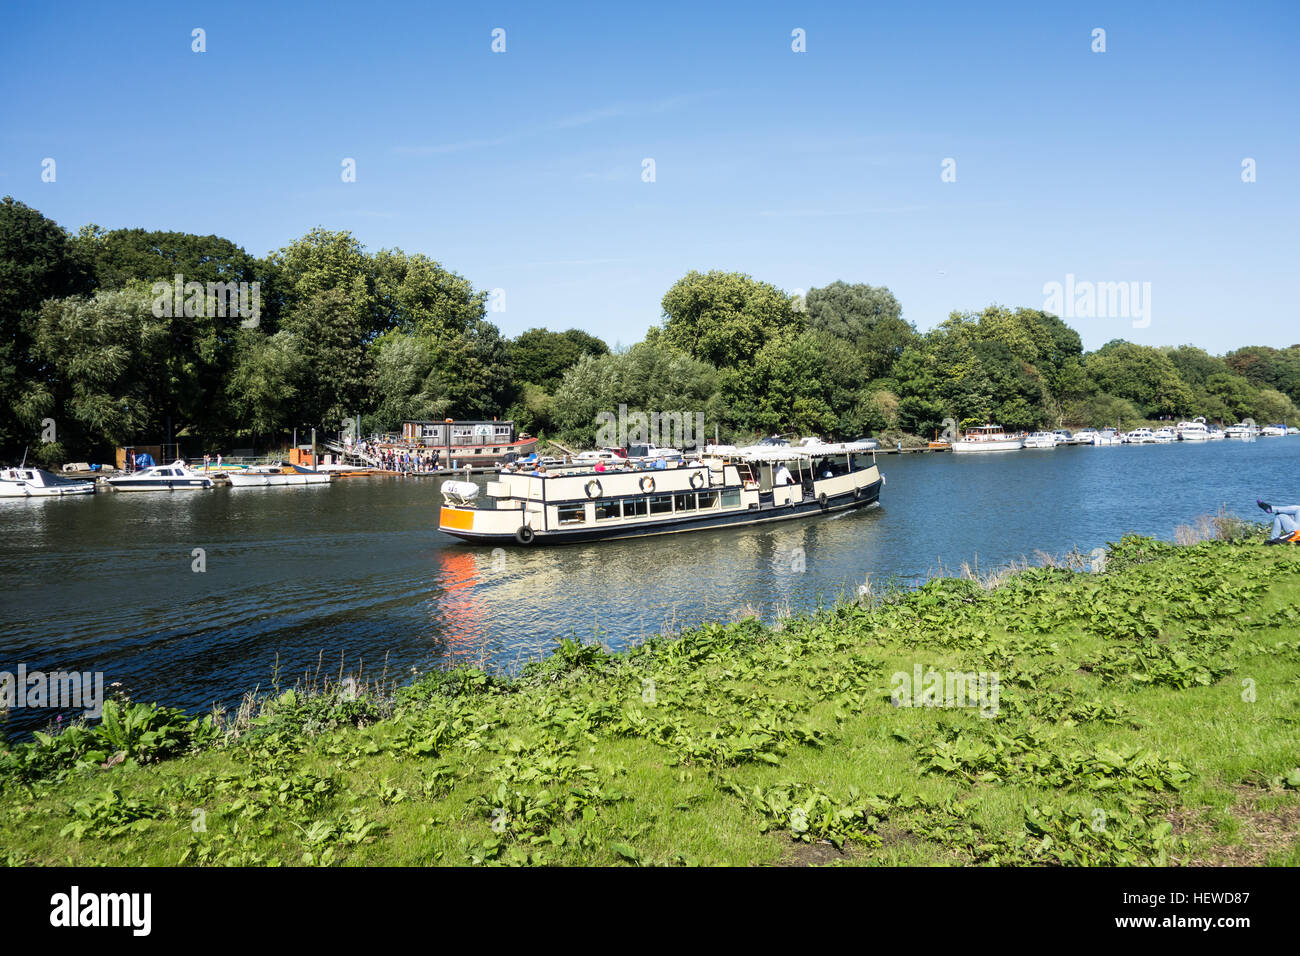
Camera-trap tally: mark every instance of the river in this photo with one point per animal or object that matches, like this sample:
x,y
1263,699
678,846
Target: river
x,y
357,572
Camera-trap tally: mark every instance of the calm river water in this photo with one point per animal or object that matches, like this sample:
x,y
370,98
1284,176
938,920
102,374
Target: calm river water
x,y
357,570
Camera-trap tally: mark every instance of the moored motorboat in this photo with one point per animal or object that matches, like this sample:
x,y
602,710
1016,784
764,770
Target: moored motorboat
x,y
1195,430
174,477
1140,436
1041,440
1241,431
711,492
1108,436
1273,431
1164,436
27,482
1085,436
274,475
987,438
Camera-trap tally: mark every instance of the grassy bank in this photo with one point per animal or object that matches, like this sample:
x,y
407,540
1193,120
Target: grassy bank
x,y
1146,714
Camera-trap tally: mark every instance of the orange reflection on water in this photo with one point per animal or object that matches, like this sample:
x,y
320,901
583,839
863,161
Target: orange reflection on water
x,y
461,611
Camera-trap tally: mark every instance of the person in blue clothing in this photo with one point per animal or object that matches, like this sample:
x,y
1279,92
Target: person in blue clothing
x,y
1286,522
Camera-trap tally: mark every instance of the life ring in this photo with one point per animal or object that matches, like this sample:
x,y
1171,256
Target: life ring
x,y
647,483
823,501
525,534
697,480
593,488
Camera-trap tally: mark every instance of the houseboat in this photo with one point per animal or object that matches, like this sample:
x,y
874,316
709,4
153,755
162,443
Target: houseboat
x,y
629,502
467,444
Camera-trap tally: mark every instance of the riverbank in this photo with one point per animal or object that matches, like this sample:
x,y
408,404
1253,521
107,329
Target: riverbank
x,y
1145,714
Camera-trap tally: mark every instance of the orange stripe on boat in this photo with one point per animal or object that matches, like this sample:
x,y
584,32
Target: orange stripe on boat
x,y
456,518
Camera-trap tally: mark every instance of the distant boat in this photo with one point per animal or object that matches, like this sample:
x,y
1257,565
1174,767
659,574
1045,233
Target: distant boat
x,y
174,477
1240,431
278,474
1140,436
1041,440
1194,430
1165,435
987,438
1273,431
1108,436
1085,436
23,482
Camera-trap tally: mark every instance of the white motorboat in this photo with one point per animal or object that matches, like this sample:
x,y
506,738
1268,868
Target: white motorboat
x,y
1273,431
1166,435
1108,436
1140,436
24,482
1085,436
267,476
1041,440
1195,430
1063,436
1241,432
1292,430
987,438
1216,434
174,477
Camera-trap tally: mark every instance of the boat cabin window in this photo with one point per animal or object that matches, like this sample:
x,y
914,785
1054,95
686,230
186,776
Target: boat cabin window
x,y
685,502
607,510
730,497
708,499
571,514
634,508
661,504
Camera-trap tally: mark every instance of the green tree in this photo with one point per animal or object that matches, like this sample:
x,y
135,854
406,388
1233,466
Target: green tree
x,y
725,318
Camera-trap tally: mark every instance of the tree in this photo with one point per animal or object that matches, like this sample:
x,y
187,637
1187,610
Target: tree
x,y
868,318
38,261
724,318
541,357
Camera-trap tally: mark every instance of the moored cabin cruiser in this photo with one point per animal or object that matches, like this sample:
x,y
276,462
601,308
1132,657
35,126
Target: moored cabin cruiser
x,y
1140,436
1273,431
25,482
1085,436
1041,440
1108,436
266,476
1241,431
174,477
1194,430
1165,435
987,438
628,502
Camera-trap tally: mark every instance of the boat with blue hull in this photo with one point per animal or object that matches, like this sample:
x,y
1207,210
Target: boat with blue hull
x,y
578,506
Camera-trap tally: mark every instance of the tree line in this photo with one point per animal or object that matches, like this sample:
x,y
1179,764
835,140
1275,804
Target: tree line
x,y
90,343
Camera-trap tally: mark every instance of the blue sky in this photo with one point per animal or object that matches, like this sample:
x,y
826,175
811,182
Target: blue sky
x,y
523,170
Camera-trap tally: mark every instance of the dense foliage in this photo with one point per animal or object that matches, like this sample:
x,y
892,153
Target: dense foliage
x,y
339,331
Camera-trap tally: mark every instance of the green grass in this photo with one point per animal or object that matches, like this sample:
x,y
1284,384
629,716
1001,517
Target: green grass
x,y
1147,714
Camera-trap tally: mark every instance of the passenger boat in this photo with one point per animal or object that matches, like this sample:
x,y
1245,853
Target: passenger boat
x,y
265,476
711,492
174,477
1041,440
987,438
24,482
1194,430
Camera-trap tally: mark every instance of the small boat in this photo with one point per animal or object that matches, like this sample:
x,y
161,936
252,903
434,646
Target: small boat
x,y
1292,430
1140,436
1216,434
1107,436
24,482
174,477
1273,431
1241,432
276,474
1063,436
1166,435
1041,440
1085,436
1194,430
987,438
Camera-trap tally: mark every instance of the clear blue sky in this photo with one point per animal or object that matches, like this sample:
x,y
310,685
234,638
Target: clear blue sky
x,y
522,170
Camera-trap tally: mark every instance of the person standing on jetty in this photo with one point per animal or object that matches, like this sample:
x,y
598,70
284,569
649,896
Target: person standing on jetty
x,y
1286,523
